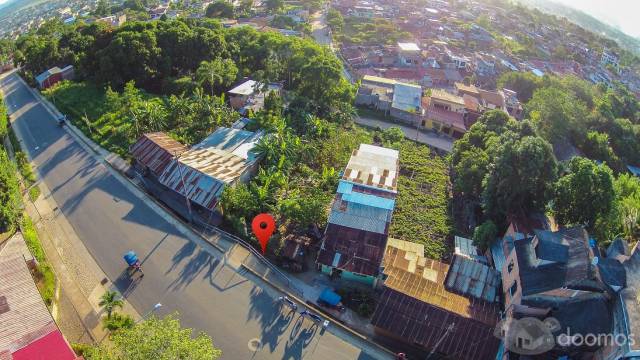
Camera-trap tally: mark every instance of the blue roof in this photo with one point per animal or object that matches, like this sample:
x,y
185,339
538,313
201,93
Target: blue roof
x,y
498,255
346,189
358,216
634,170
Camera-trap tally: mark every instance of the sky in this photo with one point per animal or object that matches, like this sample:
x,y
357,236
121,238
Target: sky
x,y
622,14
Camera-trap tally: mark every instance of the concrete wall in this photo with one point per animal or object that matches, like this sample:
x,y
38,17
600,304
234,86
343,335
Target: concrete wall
x,y
346,275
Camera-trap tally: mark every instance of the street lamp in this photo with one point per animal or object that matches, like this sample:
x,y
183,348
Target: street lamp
x,y
155,308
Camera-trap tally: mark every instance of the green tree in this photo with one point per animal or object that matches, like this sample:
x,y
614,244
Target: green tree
x,y
556,114
4,119
117,322
10,200
585,194
102,8
238,201
161,339
109,301
220,9
485,234
274,6
522,178
217,74
392,135
524,83
335,19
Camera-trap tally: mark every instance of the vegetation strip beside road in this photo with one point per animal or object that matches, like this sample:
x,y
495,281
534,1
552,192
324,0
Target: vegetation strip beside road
x,y
12,216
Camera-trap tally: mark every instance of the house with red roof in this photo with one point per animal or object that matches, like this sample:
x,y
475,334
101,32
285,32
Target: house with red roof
x,y
27,329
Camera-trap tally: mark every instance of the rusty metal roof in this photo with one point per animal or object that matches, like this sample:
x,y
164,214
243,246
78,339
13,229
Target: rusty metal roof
x,y
424,279
352,250
156,150
416,307
420,323
222,158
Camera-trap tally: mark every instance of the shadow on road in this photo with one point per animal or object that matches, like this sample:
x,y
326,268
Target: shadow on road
x,y
296,344
127,282
193,267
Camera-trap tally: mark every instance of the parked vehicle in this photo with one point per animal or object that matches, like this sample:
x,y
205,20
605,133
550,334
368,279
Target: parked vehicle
x,y
328,298
288,302
311,315
134,263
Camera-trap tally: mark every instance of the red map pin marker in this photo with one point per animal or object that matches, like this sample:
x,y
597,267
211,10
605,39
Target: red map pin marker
x,y
263,226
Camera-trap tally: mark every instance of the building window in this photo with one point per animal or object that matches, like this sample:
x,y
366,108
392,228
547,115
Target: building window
x,y
513,288
510,266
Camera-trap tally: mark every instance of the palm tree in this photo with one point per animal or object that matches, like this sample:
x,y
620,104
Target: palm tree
x,y
109,301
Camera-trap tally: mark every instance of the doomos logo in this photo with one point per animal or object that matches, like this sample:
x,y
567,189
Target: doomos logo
x,y
528,336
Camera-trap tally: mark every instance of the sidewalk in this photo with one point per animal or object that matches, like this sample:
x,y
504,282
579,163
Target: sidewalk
x,y
80,278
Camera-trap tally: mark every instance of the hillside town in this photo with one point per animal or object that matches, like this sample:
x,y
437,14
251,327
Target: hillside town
x,y
441,179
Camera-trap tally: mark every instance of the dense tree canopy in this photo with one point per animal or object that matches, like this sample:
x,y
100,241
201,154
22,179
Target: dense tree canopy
x,y
220,9
585,194
162,339
161,56
503,166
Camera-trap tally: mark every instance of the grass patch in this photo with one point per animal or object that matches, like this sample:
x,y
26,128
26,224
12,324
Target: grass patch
x,y
31,238
34,193
86,107
373,114
422,206
45,278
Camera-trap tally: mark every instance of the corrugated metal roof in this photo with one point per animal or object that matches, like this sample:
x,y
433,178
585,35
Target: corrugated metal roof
x,y
235,141
246,88
427,283
373,166
358,216
497,254
375,80
156,150
220,159
199,187
359,251
469,277
27,314
421,323
465,247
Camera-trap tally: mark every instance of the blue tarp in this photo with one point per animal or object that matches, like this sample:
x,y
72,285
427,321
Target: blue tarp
x,y
130,257
329,297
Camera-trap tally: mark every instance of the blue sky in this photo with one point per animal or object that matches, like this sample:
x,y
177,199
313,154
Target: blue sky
x,y
622,14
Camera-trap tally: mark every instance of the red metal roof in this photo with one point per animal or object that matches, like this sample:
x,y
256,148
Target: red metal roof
x,y
156,150
51,346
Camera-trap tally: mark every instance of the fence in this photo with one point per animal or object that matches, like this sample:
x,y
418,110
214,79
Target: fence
x,y
258,262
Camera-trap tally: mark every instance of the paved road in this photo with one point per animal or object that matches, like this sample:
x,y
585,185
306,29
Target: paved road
x,y
321,32
185,276
426,137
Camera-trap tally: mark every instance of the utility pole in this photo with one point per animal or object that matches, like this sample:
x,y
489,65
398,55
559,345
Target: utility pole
x,y
435,347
